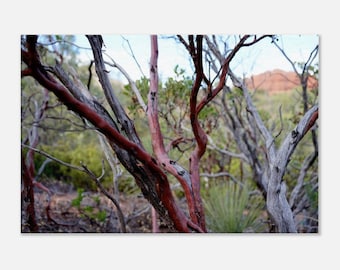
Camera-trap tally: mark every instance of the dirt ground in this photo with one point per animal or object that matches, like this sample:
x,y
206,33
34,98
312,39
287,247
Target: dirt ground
x,y
94,214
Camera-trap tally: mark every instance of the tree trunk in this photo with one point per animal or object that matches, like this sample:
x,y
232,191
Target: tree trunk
x,y
277,204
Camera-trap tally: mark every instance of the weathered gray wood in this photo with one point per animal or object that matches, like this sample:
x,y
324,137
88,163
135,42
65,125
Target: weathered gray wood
x,y
277,204
272,178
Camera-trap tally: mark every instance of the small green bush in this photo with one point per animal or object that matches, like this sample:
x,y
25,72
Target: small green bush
x,y
77,149
92,212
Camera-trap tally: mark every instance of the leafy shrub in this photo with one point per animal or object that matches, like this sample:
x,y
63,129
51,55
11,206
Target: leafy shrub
x,y
77,149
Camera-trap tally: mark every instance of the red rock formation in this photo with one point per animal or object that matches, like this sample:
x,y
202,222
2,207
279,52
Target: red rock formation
x,y
277,81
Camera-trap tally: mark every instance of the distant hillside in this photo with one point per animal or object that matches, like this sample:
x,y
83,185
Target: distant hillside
x,y
277,81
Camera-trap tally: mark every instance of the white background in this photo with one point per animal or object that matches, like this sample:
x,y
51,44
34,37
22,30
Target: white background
x,y
178,251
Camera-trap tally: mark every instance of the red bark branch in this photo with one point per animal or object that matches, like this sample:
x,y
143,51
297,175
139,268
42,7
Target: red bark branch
x,y
222,77
174,143
156,134
26,72
311,122
225,69
200,136
28,195
31,58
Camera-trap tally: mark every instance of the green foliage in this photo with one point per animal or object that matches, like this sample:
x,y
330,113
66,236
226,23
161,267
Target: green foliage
x,y
229,208
313,70
77,149
173,107
234,167
236,93
92,212
101,216
62,135
77,201
208,111
130,101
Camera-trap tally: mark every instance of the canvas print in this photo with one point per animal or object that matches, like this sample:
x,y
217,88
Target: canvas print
x,y
169,133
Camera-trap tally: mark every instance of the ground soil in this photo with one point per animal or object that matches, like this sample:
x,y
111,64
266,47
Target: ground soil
x,y
64,217
67,218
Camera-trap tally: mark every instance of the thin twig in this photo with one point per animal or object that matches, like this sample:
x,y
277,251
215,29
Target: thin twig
x,y
281,121
130,80
133,55
222,174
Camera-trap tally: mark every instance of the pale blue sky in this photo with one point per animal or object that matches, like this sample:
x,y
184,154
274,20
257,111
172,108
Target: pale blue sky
x,y
251,60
